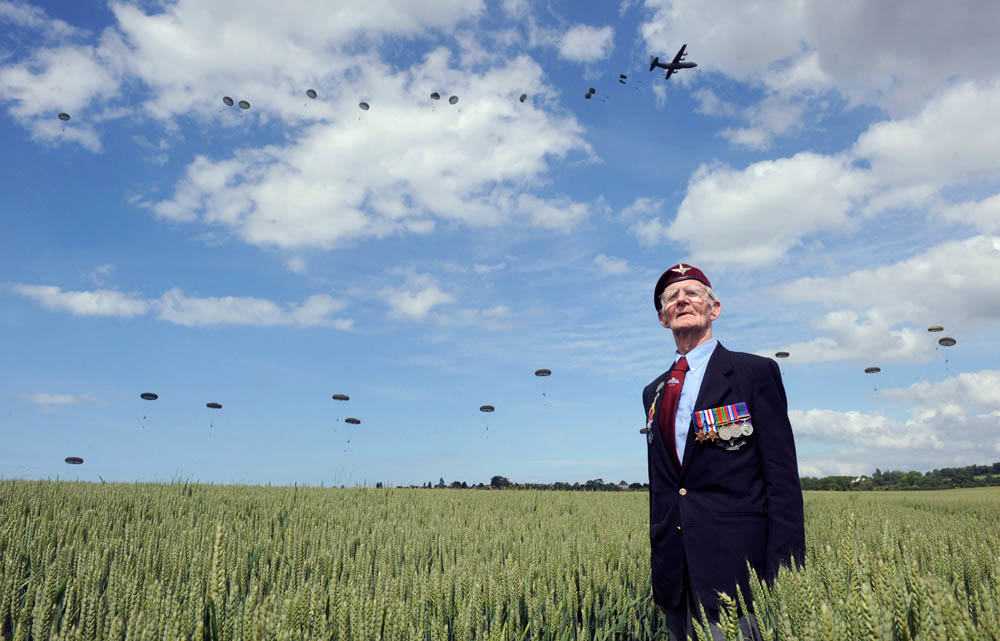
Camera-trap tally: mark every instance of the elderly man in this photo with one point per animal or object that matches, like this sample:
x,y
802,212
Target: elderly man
x,y
723,478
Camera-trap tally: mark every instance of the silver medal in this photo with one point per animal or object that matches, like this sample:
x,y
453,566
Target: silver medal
x,y
747,429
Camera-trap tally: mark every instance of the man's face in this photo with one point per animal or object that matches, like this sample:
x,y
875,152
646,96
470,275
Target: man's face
x,y
685,305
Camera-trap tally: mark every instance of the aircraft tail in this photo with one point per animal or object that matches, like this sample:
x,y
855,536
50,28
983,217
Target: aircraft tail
x,y
653,61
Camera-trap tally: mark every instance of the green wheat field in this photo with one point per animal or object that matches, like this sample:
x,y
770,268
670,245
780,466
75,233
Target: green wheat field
x,y
186,561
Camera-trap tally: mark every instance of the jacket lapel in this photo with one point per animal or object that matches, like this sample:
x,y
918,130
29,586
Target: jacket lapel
x,y
660,445
714,387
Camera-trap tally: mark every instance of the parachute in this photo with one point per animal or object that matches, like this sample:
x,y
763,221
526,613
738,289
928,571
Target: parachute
x,y
228,101
587,96
352,421
946,341
74,460
435,96
543,372
452,100
341,397
311,93
592,91
523,97
213,406
872,370
781,354
622,76
244,104
363,105
486,408
147,396
64,116
935,328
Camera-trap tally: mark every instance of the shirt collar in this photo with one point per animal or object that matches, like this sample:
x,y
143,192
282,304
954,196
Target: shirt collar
x,y
699,356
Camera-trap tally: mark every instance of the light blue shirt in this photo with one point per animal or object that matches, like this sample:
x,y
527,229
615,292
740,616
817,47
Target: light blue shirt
x,y
697,364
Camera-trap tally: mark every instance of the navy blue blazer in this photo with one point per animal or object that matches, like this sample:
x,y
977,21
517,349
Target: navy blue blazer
x,y
723,508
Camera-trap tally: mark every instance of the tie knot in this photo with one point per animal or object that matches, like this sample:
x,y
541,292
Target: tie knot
x,y
681,365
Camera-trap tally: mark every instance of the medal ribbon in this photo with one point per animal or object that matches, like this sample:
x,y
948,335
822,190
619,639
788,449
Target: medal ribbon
x,y
723,415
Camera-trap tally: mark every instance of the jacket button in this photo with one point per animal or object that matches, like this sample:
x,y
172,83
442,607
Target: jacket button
x,y
678,529
682,492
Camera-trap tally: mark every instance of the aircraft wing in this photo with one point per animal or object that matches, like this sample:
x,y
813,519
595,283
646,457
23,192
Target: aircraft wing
x,y
670,72
680,55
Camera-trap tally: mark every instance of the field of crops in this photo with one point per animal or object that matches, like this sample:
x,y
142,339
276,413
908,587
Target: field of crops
x,y
180,561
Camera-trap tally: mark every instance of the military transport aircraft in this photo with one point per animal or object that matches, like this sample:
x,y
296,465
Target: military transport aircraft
x,y
671,67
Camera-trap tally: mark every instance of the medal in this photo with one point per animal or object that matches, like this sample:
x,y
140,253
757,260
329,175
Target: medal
x,y
723,424
649,420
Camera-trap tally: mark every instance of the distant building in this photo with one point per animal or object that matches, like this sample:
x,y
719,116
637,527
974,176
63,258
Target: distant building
x,y
623,485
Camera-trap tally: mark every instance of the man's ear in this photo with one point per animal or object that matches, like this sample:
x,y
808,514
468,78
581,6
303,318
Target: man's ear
x,y
663,319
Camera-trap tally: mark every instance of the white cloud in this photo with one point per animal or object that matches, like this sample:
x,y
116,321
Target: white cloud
x,y
750,137
883,54
861,337
984,215
884,311
174,307
950,423
488,269
971,393
404,168
773,206
99,274
67,79
101,302
650,232
296,265
47,402
872,430
951,141
886,54
496,318
416,298
763,211
26,16
710,104
553,213
515,8
188,50
583,43
641,205
773,116
611,265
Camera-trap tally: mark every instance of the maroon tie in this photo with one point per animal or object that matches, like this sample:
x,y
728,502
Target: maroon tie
x,y
668,410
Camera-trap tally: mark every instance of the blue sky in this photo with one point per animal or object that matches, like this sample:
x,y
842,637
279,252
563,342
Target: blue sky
x,y
832,168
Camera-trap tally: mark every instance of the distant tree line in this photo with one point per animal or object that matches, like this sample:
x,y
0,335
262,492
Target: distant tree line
x,y
942,479
503,483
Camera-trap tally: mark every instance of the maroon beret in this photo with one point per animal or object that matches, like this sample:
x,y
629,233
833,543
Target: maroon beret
x,y
678,272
